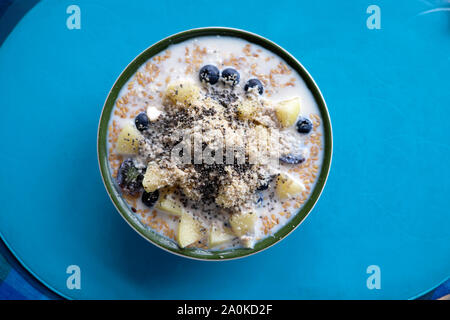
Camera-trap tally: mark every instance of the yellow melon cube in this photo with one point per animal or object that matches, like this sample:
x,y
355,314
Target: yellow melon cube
x,y
243,223
218,236
128,140
169,204
287,111
189,230
154,178
287,186
247,109
182,92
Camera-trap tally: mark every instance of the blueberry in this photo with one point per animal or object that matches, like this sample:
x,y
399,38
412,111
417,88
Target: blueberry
x,y
142,122
150,198
129,177
304,125
292,159
209,74
252,83
231,76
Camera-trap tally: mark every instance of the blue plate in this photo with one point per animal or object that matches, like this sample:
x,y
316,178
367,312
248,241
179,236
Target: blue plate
x,y
386,200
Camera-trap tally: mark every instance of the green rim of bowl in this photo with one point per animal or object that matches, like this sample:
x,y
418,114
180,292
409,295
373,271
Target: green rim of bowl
x,y
114,191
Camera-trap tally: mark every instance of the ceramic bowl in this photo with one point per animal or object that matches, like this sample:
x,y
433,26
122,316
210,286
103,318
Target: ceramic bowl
x,y
115,193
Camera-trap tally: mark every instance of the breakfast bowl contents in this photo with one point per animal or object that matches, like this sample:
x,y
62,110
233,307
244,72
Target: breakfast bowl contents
x,y
214,143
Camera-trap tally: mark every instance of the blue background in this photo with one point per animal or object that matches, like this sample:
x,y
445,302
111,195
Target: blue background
x,y
386,201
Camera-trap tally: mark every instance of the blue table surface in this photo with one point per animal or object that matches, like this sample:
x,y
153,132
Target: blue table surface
x,y
386,201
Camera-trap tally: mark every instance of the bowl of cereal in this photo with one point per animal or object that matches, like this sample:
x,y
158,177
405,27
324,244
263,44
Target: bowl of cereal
x,y
214,143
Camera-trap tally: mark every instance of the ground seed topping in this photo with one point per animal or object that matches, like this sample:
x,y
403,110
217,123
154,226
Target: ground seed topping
x,y
205,140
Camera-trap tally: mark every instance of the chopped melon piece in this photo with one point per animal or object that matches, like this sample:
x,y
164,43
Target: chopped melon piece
x,y
128,140
188,230
287,111
218,236
154,178
288,187
248,109
183,92
243,223
169,204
